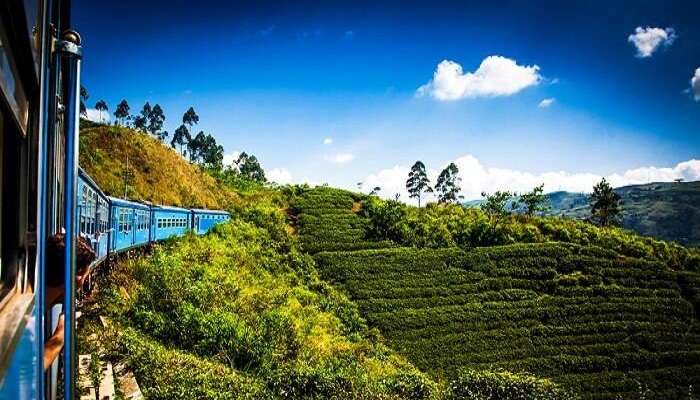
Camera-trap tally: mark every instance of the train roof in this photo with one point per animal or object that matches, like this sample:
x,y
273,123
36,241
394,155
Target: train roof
x,y
127,203
205,211
169,208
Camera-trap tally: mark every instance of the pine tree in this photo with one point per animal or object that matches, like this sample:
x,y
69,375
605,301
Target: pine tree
x,y
606,205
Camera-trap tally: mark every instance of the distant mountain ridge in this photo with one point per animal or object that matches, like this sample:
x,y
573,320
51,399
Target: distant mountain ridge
x,y
663,210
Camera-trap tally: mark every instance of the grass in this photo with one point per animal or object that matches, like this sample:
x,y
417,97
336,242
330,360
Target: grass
x,y
160,174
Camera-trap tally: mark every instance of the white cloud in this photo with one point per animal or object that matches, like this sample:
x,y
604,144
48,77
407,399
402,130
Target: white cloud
x,y
477,178
546,102
695,85
496,76
230,159
340,158
328,140
647,40
94,115
279,175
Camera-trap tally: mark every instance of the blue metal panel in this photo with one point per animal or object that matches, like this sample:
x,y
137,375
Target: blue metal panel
x,y
170,221
205,220
22,380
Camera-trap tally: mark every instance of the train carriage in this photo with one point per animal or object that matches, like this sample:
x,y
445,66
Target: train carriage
x,y
167,222
205,220
129,224
93,215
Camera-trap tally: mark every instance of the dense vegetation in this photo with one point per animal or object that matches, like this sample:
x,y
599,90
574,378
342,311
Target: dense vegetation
x,y
483,305
590,320
241,313
601,311
668,211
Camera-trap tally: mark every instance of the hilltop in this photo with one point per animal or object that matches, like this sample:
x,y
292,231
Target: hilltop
x,y
662,210
159,174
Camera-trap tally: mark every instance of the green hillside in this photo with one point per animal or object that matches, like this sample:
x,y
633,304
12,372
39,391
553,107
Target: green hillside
x,y
555,303
664,210
591,321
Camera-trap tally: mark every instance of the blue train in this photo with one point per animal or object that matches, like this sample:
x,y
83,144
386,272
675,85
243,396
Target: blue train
x,y
44,193
113,225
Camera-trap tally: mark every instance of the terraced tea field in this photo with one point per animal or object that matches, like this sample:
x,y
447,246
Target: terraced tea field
x,y
327,221
601,325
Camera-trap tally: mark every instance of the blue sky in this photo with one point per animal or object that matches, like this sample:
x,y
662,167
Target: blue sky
x,y
276,80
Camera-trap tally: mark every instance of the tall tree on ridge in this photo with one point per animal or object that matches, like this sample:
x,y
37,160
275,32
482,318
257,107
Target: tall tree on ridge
x,y
534,201
418,182
606,205
181,137
101,106
196,146
141,120
447,184
155,122
122,111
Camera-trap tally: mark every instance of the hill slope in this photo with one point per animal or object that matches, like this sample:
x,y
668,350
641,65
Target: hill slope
x,y
160,174
669,211
596,321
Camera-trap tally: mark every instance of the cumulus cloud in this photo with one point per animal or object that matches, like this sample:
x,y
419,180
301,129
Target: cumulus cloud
x,y
695,85
496,76
279,175
648,39
478,178
328,140
230,159
94,116
340,158
546,102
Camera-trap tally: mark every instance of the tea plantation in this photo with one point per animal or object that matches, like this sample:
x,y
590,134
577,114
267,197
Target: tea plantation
x,y
326,221
601,325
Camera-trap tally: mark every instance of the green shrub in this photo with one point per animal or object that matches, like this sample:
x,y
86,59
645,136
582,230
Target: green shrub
x,y
483,385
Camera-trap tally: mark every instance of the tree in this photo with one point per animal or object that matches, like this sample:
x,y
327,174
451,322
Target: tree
x,y
190,117
181,137
156,118
101,106
122,111
606,205
213,155
496,205
418,181
196,146
83,98
534,201
249,167
447,184
375,191
141,120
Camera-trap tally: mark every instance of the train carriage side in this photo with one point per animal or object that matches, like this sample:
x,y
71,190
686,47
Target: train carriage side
x,y
93,215
205,220
129,225
167,222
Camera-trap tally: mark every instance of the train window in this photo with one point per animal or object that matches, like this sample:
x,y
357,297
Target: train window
x,y
10,84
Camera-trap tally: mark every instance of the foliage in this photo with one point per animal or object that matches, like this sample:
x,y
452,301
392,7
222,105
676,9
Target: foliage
x,y
588,319
243,308
447,185
328,219
418,181
101,106
496,205
605,205
663,210
160,175
122,111
502,385
84,96
535,201
249,167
